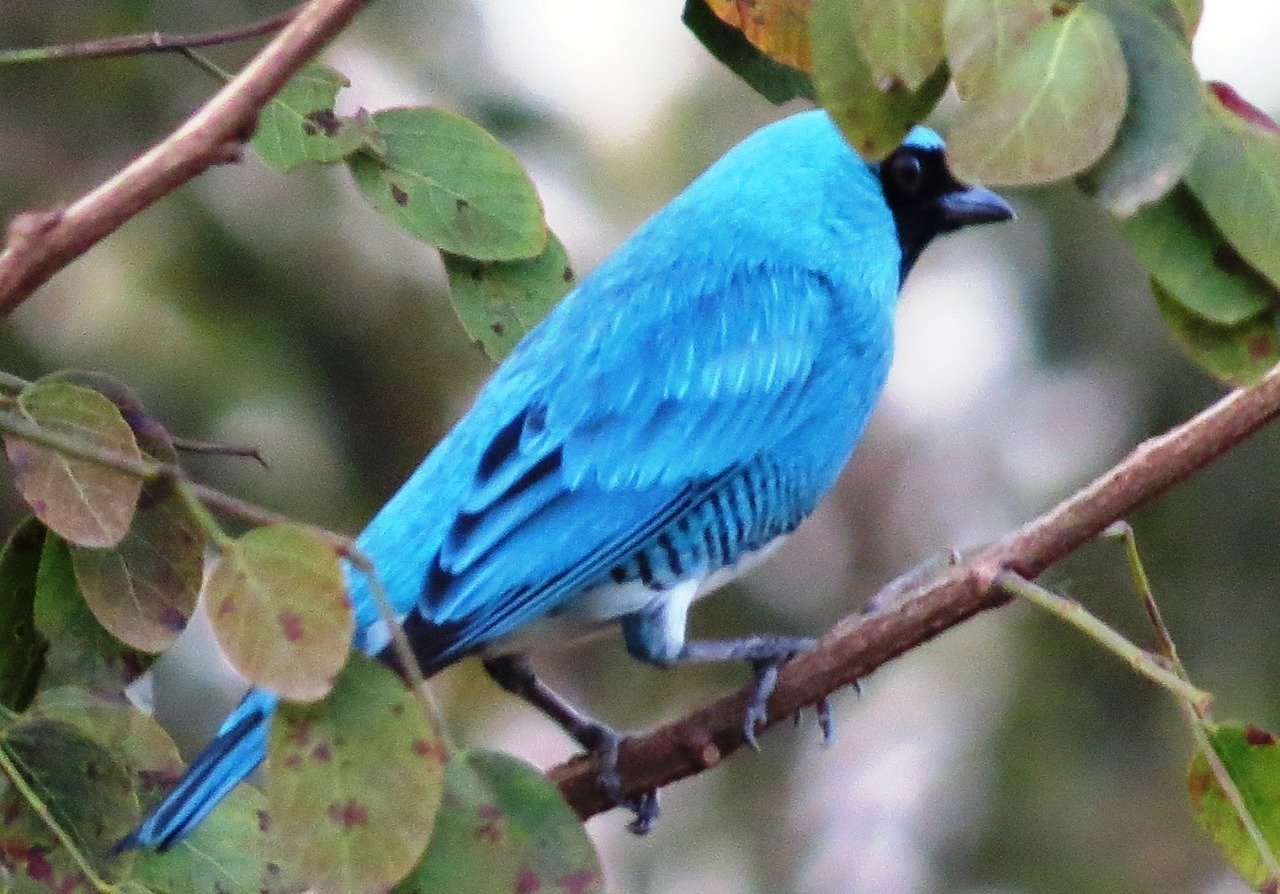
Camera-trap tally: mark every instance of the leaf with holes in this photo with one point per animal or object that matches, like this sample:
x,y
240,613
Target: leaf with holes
x,y
499,301
774,80
778,28
1240,354
874,121
81,651
1166,118
1054,110
1178,244
1252,760
300,125
900,39
503,827
354,781
1236,177
83,501
984,36
22,648
279,607
449,182
229,851
56,769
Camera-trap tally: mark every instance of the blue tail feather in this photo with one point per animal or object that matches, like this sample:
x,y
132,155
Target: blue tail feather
x,y
236,751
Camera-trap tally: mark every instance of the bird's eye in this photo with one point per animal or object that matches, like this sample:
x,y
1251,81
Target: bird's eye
x,y
907,173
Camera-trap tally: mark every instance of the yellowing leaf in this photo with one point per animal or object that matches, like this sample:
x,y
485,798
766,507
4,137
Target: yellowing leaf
x,y
778,28
1054,110
279,607
85,502
774,80
354,782
984,36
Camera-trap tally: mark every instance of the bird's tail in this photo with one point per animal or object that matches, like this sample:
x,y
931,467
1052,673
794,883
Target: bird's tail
x,y
234,753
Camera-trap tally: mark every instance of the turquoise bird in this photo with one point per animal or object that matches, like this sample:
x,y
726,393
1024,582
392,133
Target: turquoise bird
x,y
665,428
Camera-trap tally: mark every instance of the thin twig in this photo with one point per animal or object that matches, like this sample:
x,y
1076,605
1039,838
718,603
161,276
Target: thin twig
x,y
1075,614
859,644
216,448
154,42
42,243
1142,583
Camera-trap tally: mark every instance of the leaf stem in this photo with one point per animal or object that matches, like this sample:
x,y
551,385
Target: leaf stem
x,y
1142,661
201,514
153,42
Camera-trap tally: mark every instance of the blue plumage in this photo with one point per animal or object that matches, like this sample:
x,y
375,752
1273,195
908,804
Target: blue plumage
x,y
683,408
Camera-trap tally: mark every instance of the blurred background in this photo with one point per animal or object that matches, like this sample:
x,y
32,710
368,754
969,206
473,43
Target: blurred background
x,y
1006,756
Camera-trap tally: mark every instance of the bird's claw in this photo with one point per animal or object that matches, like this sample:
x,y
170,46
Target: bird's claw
x,y
766,678
605,744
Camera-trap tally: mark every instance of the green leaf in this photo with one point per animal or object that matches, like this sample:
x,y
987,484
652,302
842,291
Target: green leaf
x,y
81,651
1252,759
278,602
449,182
984,36
498,302
228,852
84,502
1166,118
300,126
1236,177
1054,110
22,648
775,81
1240,354
503,827
1181,15
900,39
874,121
83,787
354,781
1178,244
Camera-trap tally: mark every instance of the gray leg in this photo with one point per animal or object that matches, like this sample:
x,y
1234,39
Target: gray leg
x,y
900,586
514,674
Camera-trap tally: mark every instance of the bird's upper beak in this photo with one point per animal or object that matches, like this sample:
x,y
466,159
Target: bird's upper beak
x,y
972,205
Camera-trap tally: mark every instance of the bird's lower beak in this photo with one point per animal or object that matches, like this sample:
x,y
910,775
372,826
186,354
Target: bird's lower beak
x,y
973,205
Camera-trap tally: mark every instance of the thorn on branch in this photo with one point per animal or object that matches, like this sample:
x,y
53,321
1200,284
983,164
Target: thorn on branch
x,y
215,448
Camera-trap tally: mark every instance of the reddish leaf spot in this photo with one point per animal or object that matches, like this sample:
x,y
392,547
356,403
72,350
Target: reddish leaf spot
x,y
293,761
298,733
350,814
264,821
488,832
1237,105
399,196
577,882
1259,346
325,120
228,607
1255,736
323,753
291,625
173,619
38,865
527,881
397,709
430,750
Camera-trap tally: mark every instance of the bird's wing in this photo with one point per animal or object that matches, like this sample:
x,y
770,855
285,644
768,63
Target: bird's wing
x,y
639,410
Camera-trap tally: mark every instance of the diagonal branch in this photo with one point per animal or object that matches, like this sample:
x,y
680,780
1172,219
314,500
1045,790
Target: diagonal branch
x,y
155,42
858,644
42,243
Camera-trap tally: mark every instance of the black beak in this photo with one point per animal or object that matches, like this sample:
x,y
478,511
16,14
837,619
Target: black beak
x,y
972,205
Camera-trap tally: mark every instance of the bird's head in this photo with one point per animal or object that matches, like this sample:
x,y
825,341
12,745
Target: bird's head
x,y
926,198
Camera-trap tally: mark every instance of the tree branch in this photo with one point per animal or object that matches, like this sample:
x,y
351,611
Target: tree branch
x,y
42,243
859,644
155,42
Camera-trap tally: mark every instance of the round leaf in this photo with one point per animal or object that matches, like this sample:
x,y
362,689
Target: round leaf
x,y
354,781
775,81
503,828
1252,759
449,182
900,39
984,36
778,28
1240,354
279,606
1179,246
498,302
1053,111
1236,177
85,502
22,648
1166,118
873,120
299,124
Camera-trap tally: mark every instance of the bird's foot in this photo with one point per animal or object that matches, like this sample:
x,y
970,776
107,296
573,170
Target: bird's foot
x,y
765,667
605,744
911,580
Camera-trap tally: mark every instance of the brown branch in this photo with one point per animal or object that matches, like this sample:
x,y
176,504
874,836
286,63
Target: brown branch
x,y
858,644
42,243
154,42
